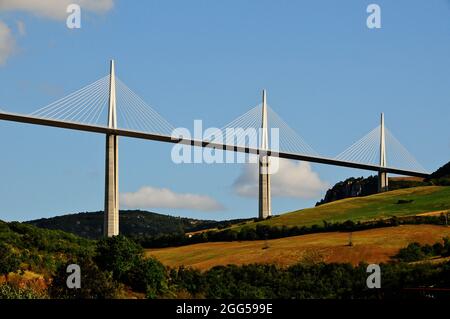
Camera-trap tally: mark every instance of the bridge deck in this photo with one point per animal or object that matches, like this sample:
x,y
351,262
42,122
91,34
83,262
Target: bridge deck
x,y
168,139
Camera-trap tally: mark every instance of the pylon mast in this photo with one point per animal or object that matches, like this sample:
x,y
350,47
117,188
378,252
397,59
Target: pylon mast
x,y
265,209
382,175
111,215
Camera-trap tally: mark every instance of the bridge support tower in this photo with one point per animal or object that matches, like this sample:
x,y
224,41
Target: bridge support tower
x,y
382,175
264,202
111,215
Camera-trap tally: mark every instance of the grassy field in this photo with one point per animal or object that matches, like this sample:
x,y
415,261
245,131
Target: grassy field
x,y
424,200
371,246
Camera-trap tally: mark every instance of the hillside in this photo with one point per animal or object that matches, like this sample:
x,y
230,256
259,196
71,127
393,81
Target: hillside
x,y
417,205
402,202
132,223
370,246
33,264
357,187
42,249
360,186
441,176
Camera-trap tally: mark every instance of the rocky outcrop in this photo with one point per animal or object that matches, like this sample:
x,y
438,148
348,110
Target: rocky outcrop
x,y
351,187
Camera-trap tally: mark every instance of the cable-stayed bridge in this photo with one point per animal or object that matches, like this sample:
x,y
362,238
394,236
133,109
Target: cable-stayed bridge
x,y
108,106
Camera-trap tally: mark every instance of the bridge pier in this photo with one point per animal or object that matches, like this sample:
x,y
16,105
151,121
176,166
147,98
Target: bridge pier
x,y
264,200
383,184
111,214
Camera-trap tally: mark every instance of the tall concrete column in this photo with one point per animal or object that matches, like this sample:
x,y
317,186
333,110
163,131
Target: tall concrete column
x,y
382,175
111,216
265,209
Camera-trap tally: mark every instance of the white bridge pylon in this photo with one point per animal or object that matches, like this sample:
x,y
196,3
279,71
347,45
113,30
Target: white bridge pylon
x,y
109,107
111,215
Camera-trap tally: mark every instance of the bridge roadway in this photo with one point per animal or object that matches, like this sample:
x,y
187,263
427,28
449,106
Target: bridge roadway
x,y
168,139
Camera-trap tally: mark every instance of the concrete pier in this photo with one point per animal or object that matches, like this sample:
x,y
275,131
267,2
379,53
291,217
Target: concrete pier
x,y
111,216
265,209
383,184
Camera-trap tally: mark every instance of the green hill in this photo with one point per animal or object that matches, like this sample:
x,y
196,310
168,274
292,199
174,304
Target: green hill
x,y
402,202
416,205
132,223
41,250
360,186
441,176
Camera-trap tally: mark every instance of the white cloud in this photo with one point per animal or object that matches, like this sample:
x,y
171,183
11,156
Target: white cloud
x,y
21,28
54,9
152,197
293,179
7,43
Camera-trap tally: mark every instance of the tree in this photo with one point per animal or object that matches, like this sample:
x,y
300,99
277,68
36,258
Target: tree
x,y
446,248
190,279
95,283
438,249
117,254
413,252
149,276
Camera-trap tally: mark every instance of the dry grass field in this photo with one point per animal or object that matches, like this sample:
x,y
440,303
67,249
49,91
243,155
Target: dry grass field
x,y
371,246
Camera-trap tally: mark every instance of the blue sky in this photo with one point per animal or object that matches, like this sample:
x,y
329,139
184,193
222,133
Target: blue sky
x,y
326,73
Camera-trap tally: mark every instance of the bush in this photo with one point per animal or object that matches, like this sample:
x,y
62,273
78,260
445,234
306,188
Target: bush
x,y
438,249
8,291
118,255
188,279
147,275
95,283
413,252
9,261
446,247
124,259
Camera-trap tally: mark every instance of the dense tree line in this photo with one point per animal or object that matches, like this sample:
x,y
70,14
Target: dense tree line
x,y
38,250
262,232
119,261
90,224
415,251
306,281
116,267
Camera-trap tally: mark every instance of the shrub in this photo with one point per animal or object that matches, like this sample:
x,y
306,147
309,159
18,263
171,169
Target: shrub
x,y
446,247
438,248
95,283
147,275
118,255
189,279
8,291
412,252
9,261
